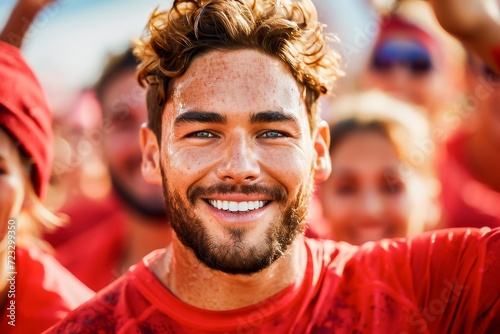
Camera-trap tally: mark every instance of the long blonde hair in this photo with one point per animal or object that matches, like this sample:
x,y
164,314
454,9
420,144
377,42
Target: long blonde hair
x,y
34,218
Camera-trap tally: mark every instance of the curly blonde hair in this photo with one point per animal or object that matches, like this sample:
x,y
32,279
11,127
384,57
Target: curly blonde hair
x,y
284,29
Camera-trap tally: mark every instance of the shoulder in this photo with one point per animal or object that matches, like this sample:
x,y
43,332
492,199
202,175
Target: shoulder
x,y
115,307
437,255
42,270
43,284
98,313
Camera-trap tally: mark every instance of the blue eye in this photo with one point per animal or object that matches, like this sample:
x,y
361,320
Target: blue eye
x,y
272,134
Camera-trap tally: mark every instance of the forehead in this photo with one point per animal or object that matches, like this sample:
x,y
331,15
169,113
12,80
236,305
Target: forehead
x,y
236,80
123,94
364,150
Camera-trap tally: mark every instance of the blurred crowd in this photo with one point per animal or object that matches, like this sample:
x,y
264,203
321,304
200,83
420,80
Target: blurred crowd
x,y
415,146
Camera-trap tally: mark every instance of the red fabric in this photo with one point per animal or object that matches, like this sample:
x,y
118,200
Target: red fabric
x,y
496,55
440,282
44,293
84,214
24,113
94,255
466,201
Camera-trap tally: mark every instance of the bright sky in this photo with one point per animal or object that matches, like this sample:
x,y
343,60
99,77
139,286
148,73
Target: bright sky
x,y
70,40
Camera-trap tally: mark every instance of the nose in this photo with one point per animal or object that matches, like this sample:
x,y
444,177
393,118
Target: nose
x,y
371,204
239,165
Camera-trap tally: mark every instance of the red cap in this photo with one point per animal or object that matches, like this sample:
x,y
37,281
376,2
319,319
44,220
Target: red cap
x,y
24,114
394,25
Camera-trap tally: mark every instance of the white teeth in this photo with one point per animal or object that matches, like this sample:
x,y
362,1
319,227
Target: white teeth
x,y
233,206
237,206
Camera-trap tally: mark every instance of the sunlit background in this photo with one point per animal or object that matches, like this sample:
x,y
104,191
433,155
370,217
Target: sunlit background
x,y
70,40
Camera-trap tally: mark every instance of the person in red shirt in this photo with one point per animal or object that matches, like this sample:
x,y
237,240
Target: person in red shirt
x,y
105,238
469,162
235,139
382,183
415,60
35,290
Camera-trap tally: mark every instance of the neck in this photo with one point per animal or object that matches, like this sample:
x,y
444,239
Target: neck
x,y
483,159
197,285
143,237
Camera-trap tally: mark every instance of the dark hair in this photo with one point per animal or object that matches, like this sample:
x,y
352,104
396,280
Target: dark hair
x,y
344,128
284,29
116,65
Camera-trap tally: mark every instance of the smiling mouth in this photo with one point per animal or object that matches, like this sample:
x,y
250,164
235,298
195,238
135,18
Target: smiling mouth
x,y
237,206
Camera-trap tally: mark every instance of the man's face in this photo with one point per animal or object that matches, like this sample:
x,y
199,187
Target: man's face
x,y
237,159
404,67
124,106
366,198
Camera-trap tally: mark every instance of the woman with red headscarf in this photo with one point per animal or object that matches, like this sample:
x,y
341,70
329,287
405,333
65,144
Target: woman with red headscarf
x,y
35,290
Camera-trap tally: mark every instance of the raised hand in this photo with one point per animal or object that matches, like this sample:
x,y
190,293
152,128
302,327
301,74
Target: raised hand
x,y
20,20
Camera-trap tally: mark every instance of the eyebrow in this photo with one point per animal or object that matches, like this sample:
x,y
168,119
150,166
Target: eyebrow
x,y
272,117
195,116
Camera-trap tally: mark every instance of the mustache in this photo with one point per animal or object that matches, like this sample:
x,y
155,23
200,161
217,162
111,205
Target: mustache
x,y
276,193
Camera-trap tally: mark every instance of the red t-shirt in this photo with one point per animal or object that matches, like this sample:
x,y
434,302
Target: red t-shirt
x,y
94,255
466,201
440,282
84,214
496,55
44,293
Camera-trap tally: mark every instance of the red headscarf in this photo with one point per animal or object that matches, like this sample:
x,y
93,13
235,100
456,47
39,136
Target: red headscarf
x,y
24,113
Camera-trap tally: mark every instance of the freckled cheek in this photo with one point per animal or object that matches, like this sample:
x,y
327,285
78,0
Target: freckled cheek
x,y
286,166
188,162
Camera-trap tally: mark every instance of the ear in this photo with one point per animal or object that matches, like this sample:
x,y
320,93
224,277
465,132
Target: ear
x,y
322,163
150,155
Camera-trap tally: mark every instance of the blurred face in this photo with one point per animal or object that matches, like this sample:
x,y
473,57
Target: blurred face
x,y
484,94
365,198
407,69
124,106
237,159
11,182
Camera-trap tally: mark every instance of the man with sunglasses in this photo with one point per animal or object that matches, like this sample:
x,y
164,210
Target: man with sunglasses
x,y
414,59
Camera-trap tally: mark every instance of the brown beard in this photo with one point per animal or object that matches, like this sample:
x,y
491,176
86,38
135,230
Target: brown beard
x,y
237,257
